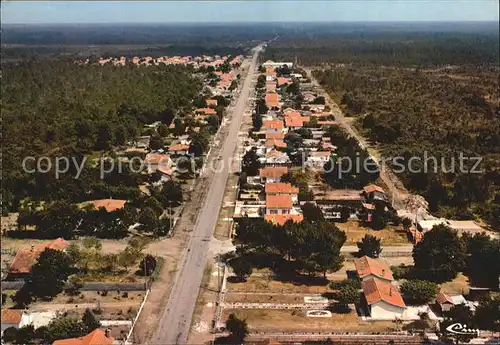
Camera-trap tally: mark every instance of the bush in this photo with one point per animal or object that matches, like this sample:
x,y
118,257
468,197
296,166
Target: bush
x,y
9,335
419,291
402,271
147,265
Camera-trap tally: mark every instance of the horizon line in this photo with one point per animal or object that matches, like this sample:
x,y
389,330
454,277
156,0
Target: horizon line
x,y
260,22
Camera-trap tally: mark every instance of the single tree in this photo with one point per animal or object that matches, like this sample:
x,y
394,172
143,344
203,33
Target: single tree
x,y
440,255
242,268
250,163
147,265
312,213
90,320
348,294
238,329
49,273
369,246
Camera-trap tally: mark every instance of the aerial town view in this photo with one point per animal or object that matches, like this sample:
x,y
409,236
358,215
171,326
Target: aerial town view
x,y
250,172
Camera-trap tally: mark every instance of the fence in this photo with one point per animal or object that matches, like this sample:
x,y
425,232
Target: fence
x,y
93,286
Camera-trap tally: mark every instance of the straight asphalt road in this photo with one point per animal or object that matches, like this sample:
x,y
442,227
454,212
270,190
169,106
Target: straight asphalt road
x,y
174,325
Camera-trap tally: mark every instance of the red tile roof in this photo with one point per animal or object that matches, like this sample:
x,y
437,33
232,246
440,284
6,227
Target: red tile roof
x,y
283,81
376,290
275,143
273,124
294,121
96,337
278,135
26,257
373,188
12,316
283,201
281,219
157,159
206,111
273,172
272,99
321,154
367,266
275,153
178,147
109,204
442,298
212,102
280,188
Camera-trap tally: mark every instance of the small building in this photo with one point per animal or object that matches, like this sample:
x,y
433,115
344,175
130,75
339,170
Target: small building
x,y
273,126
272,144
318,159
375,193
281,188
270,63
281,219
272,100
143,142
272,174
205,111
368,268
96,337
26,257
275,157
383,299
211,103
275,135
154,161
446,302
11,318
281,81
279,204
178,149
110,205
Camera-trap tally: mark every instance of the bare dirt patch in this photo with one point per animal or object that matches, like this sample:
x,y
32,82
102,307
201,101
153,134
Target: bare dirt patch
x,y
390,235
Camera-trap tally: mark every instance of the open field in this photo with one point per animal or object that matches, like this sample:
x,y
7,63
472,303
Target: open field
x,y
295,321
459,285
267,284
390,235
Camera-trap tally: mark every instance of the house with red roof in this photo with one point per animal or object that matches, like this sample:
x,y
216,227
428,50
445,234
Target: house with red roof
x,y
96,337
367,268
273,126
205,111
383,299
26,257
272,174
272,100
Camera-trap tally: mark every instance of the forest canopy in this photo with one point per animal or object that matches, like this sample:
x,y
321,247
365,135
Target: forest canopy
x,y
58,107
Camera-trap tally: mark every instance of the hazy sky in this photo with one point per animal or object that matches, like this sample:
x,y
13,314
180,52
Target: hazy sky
x,y
252,10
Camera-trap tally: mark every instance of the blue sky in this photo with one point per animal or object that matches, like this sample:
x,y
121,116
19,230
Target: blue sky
x,y
247,11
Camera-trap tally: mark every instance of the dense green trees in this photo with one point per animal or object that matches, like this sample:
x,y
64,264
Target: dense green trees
x,y
312,247
483,259
427,121
440,255
350,166
58,108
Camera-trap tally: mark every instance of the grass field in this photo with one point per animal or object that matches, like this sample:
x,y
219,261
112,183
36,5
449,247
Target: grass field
x,y
287,320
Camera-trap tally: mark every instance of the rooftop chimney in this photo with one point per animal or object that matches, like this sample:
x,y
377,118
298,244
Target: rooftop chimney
x,y
107,333
32,247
